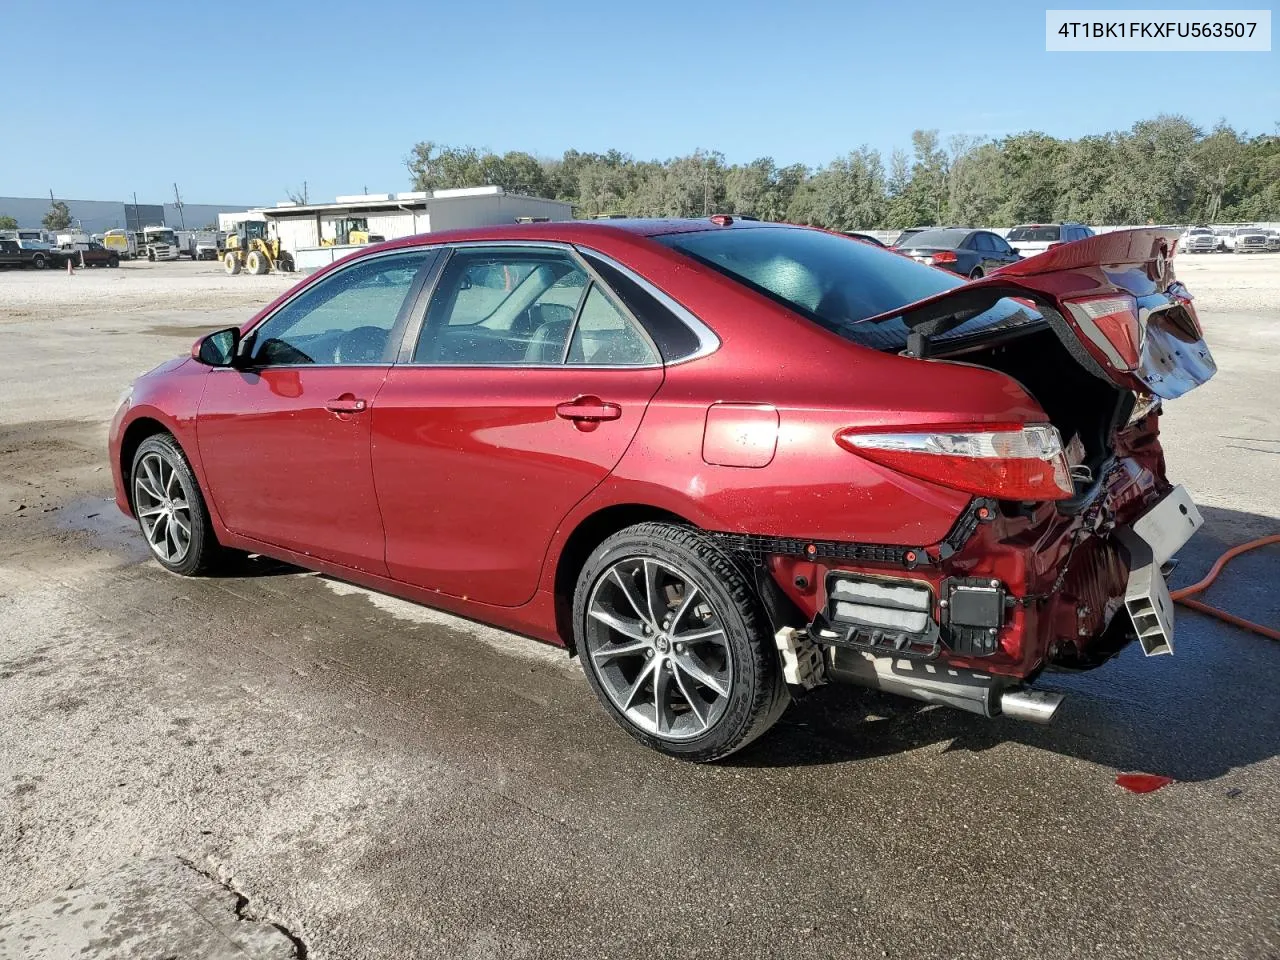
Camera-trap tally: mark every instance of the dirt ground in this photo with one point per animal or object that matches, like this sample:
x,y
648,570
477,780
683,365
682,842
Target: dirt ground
x,y
383,780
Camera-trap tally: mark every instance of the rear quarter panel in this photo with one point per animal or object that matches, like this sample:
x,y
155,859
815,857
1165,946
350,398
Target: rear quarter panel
x,y
819,384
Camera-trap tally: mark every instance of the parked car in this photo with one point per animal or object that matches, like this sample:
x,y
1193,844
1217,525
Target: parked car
x,y
14,253
910,232
1198,240
1032,238
91,254
864,237
1248,240
718,460
970,253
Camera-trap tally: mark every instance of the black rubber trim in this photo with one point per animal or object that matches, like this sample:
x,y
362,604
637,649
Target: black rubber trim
x,y
758,547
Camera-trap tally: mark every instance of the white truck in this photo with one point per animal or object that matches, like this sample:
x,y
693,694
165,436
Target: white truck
x,y
1032,238
1198,240
157,243
200,244
1247,240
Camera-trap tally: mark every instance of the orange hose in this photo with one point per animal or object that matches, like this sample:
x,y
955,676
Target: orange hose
x,y
1183,596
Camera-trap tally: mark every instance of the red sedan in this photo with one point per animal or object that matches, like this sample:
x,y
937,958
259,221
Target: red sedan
x,y
716,460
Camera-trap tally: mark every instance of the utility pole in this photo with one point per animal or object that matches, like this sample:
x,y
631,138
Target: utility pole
x,y
304,193
137,223
177,202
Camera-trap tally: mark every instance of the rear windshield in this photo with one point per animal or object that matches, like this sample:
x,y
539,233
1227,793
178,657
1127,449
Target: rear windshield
x,y
834,281
1036,234
937,238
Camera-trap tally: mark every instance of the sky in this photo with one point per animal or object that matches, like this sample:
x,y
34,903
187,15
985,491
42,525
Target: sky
x,y
135,95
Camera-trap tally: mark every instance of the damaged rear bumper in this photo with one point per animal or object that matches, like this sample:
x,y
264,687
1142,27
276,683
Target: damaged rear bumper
x,y
930,636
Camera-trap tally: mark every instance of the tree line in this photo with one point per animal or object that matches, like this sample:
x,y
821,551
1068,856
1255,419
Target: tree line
x,y
1165,170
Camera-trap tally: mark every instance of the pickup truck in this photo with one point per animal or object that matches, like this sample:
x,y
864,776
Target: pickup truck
x,y
91,254
1248,240
13,254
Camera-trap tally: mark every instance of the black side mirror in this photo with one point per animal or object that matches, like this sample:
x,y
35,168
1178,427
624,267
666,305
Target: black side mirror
x,y
217,349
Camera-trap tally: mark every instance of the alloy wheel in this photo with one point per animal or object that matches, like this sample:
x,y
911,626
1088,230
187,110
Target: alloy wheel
x,y
659,648
163,507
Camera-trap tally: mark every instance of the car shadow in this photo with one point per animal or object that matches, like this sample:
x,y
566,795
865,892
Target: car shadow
x,y
253,565
1210,708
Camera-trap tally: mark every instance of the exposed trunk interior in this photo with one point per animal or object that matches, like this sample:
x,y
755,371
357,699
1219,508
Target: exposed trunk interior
x,y
1078,403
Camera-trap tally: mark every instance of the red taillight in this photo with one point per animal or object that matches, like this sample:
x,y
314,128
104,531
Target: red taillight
x,y
944,256
1111,324
1009,463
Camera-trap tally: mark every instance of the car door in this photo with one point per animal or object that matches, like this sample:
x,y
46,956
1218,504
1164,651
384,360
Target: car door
x,y
284,436
984,252
521,392
1003,253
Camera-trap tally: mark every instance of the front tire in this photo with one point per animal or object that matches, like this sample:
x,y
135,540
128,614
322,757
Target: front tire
x,y
170,509
256,263
674,643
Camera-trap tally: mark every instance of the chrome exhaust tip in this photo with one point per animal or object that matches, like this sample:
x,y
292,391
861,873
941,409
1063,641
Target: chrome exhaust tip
x,y
1037,706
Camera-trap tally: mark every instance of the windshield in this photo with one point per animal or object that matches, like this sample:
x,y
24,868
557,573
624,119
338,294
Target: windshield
x,y
160,236
834,281
1205,231
937,238
1036,234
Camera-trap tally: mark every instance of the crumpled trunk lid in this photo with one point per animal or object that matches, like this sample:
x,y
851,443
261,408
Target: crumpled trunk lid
x,y
1112,299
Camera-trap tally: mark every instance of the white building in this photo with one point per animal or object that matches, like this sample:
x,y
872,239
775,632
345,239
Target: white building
x,y
310,232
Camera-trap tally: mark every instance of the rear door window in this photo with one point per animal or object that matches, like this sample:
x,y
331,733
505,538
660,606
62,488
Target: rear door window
x,y
502,306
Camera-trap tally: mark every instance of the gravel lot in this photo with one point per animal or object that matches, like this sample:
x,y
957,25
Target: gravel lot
x,y
386,781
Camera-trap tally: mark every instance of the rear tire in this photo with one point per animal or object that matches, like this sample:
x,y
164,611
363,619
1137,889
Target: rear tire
x,y
39,262
232,263
674,643
976,274
170,509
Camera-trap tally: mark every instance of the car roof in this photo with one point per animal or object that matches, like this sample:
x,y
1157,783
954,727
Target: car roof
x,y
582,231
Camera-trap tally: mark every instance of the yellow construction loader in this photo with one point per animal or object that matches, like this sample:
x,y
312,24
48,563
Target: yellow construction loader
x,y
252,250
351,230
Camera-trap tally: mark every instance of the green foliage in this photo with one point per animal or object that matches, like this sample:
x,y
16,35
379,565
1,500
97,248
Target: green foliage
x,y
1162,170
7,222
58,217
